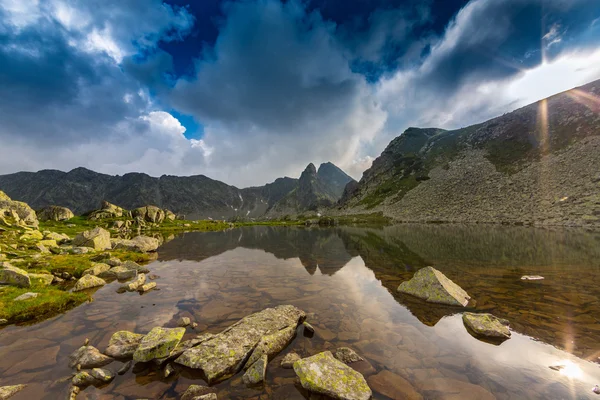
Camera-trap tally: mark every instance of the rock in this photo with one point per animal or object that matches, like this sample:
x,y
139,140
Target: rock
x,y
73,392
142,244
170,215
55,213
107,210
32,235
97,269
48,243
88,357
257,372
26,296
147,287
45,279
3,321
121,273
289,360
210,396
97,239
486,325
184,321
80,250
323,374
13,276
16,212
532,278
102,375
135,266
431,285
84,379
123,370
223,355
58,237
8,391
114,262
347,355
123,344
158,343
393,386
169,370
308,327
194,391
136,284
149,213
88,282
271,345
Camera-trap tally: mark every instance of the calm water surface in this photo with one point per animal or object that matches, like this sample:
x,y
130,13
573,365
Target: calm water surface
x,y
345,278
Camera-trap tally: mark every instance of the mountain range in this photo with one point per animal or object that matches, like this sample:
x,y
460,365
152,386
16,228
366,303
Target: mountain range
x,y
192,197
539,164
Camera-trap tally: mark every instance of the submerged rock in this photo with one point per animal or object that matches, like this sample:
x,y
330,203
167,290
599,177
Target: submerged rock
x,y
347,355
13,276
158,343
223,355
97,239
271,345
486,325
102,375
184,321
289,360
88,282
431,285
88,357
323,374
123,344
209,396
257,372
194,391
393,386
8,391
83,379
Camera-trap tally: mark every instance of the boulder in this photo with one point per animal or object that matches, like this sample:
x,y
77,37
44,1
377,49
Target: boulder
x,y
26,296
107,210
55,213
13,276
97,269
102,375
272,344
149,213
132,265
347,355
123,344
9,391
88,282
257,372
194,391
33,234
169,215
323,374
142,244
158,343
184,321
210,396
486,325
97,239
58,237
289,360
83,379
88,357
45,279
16,212
48,243
120,273
223,355
139,281
432,286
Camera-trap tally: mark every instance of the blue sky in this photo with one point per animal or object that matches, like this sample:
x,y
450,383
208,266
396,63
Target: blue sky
x,y
246,91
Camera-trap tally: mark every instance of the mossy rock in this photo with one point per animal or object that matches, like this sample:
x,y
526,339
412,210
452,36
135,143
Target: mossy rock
x,y
158,343
486,325
432,286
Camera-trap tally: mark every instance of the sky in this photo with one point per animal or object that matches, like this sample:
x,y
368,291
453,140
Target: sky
x,y
245,91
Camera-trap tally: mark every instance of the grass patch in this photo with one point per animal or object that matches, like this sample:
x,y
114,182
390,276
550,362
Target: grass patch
x,y
50,302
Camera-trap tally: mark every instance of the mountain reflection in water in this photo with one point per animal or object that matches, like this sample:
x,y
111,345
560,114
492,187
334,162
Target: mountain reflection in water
x,y
346,279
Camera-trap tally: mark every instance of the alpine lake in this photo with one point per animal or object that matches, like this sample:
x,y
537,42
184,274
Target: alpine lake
x,y
345,279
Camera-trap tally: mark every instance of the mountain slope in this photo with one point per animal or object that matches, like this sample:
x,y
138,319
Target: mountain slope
x,y
193,197
539,164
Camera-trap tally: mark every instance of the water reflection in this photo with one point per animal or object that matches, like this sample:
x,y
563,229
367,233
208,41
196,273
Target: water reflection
x,y
345,278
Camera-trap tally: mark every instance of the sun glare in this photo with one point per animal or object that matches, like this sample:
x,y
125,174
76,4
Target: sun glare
x,y
571,370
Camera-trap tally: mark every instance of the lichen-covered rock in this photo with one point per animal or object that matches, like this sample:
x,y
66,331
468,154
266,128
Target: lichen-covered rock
x,y
289,360
142,244
194,391
149,213
257,372
147,287
139,281
325,375
58,237
102,375
88,282
48,243
123,344
347,355
32,235
223,355
55,213
26,296
88,357
209,396
97,239
432,286
13,276
486,325
16,212
83,379
272,344
169,215
184,321
132,265
158,343
107,210
9,391
44,279
97,269
121,273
